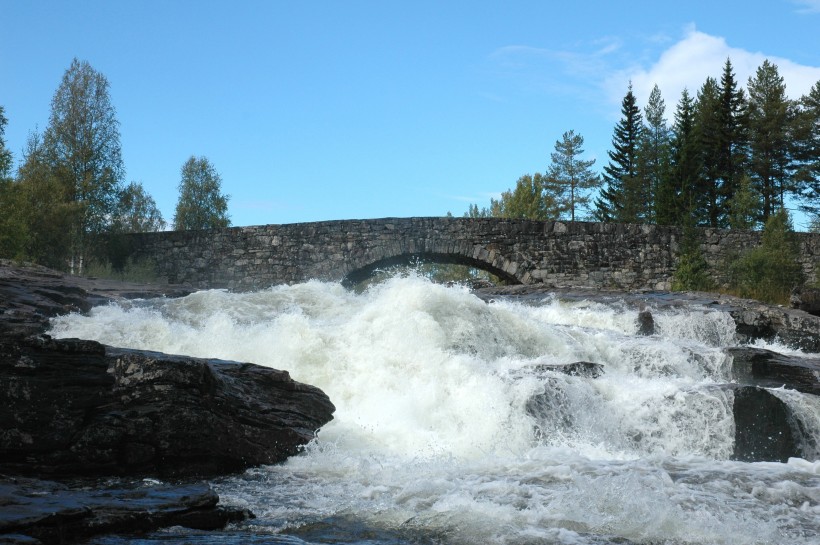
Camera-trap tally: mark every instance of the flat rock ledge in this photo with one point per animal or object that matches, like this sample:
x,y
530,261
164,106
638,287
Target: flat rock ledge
x,y
34,511
76,409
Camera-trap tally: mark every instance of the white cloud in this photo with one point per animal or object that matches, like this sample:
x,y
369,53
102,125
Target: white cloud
x,y
698,55
808,6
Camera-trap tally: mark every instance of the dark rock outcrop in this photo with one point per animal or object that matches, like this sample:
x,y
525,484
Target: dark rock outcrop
x,y
765,430
36,511
31,294
74,407
646,323
769,369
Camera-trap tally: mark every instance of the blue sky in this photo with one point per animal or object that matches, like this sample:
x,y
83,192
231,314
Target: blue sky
x,y
350,109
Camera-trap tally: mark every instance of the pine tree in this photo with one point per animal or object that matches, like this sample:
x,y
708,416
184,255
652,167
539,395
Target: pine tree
x,y
624,199
569,178
769,138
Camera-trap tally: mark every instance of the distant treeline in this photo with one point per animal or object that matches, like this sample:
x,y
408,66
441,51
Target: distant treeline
x,y
70,188
732,158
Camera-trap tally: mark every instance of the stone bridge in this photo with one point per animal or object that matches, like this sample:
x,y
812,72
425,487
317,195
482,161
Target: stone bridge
x,y
556,253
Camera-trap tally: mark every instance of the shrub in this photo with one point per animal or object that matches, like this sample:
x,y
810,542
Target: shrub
x,y
769,271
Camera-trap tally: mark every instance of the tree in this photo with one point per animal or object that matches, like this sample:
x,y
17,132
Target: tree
x,y
569,177
624,199
11,233
654,156
82,148
769,271
201,204
675,198
731,138
46,213
473,211
527,200
806,151
707,190
5,154
137,211
769,137
744,205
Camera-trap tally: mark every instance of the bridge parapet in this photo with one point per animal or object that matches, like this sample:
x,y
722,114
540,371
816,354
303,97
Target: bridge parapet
x,y
558,253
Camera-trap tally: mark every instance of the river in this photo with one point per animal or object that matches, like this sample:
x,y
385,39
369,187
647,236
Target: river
x,y
450,428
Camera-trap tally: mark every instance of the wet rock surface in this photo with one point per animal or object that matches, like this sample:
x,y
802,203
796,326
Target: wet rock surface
x,y
46,512
75,407
72,408
769,369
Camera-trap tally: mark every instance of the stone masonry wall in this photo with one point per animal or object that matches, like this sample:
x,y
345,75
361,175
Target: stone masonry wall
x,y
556,253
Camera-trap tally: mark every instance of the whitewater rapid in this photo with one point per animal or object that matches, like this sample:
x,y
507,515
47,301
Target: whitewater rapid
x,y
449,429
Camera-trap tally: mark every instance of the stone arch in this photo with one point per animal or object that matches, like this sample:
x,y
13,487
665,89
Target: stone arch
x,y
364,272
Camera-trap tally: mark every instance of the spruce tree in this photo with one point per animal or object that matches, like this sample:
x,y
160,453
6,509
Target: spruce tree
x,y
655,148
676,195
624,199
731,138
707,190
806,149
569,178
770,161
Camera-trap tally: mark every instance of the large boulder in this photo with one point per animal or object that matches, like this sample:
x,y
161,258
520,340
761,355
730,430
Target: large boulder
x,y
75,407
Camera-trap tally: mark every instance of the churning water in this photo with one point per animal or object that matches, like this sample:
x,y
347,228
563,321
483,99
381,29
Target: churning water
x,y
450,427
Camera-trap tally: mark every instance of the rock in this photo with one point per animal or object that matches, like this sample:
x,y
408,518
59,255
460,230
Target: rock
x,y
806,299
768,369
31,294
576,369
764,428
75,407
36,511
646,323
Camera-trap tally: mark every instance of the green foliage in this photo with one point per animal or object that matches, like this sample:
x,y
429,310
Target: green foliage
x,y
626,198
769,138
81,147
692,272
5,154
674,198
569,178
806,131
526,201
201,204
655,156
769,271
137,211
744,205
47,215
